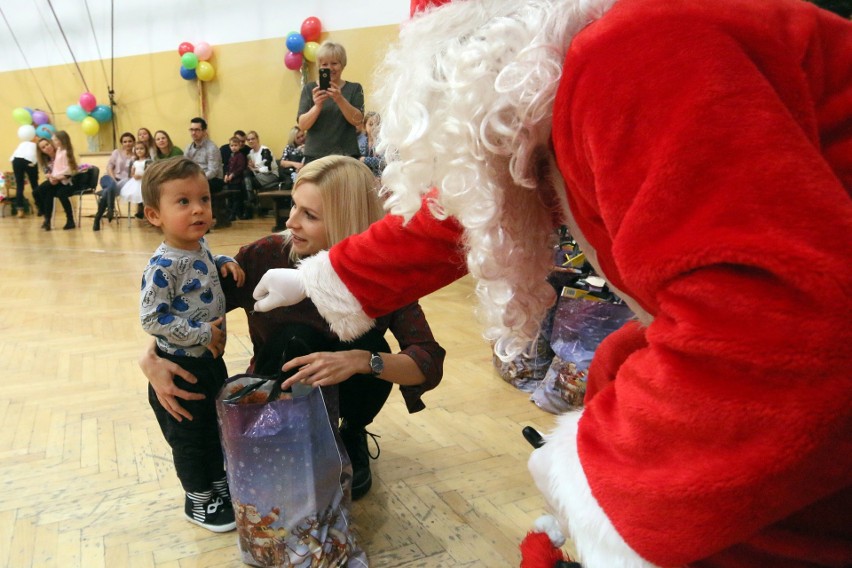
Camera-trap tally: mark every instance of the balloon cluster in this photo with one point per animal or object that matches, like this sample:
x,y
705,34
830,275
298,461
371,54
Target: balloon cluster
x,y
194,62
33,123
89,114
303,45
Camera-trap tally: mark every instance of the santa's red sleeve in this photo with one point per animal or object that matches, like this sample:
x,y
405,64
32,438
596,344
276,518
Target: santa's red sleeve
x,y
707,151
390,265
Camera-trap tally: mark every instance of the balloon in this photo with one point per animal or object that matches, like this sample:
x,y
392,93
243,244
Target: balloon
x,y
293,61
45,131
40,117
102,113
295,42
188,74
311,28
310,52
22,116
203,50
90,126
26,132
205,71
75,113
185,47
88,102
189,60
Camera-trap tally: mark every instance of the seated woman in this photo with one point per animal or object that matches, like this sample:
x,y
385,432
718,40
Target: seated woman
x,y
333,197
293,157
58,184
262,171
118,172
367,144
165,148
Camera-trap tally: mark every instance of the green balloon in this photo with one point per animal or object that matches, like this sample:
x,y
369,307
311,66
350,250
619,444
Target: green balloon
x,y
189,60
22,116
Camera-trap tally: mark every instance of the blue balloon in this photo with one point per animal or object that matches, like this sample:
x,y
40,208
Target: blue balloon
x,y
45,131
295,42
102,113
76,113
188,74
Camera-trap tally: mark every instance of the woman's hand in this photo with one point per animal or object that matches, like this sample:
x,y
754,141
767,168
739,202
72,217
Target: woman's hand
x,y
161,374
335,93
327,368
319,96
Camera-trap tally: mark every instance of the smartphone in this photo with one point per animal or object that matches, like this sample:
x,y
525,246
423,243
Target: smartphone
x,y
324,78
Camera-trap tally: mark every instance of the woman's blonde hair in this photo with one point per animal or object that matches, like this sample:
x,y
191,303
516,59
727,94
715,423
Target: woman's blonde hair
x,y
332,50
291,138
350,200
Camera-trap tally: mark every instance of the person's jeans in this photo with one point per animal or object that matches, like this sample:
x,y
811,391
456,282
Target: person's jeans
x,y
110,190
24,169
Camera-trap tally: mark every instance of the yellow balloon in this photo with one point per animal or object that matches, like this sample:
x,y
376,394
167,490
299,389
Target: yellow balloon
x,y
90,126
205,71
310,51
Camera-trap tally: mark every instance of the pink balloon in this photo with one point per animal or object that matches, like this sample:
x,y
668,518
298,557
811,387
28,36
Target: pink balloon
x,y
203,50
293,61
88,102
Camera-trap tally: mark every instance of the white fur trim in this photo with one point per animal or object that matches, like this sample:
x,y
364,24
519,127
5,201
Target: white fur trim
x,y
559,475
549,525
333,300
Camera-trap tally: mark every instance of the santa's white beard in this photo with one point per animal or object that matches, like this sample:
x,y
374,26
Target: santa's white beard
x,y
467,101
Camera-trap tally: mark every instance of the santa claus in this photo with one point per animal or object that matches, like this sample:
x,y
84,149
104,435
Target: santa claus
x,y
701,153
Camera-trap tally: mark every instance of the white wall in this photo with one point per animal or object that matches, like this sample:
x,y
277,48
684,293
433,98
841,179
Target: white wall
x,y
150,26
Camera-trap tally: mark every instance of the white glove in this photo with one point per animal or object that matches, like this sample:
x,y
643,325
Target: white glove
x,y
279,287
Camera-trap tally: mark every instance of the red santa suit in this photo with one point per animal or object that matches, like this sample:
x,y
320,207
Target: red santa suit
x,y
706,153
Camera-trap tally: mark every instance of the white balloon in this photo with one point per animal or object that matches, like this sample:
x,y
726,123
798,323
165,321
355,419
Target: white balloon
x,y
26,132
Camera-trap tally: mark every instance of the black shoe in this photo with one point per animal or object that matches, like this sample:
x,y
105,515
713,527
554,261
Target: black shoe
x,y
355,442
97,225
69,225
46,225
216,515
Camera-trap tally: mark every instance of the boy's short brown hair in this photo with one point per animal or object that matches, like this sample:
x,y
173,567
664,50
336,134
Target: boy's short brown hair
x,y
234,140
161,171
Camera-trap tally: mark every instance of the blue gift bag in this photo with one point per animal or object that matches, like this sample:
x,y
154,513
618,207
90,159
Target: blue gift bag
x,y
289,479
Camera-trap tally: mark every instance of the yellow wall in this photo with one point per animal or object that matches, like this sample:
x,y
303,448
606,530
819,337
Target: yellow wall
x,y
253,90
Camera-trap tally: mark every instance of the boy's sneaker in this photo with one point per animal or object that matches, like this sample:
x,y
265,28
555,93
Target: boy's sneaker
x,y
215,515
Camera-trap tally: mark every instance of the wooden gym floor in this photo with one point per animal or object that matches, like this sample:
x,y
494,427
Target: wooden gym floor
x,y
87,480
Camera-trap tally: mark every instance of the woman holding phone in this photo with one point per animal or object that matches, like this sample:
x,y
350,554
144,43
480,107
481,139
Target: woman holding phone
x,y
331,112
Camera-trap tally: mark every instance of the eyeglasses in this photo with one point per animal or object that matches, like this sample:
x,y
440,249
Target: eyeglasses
x,y
195,130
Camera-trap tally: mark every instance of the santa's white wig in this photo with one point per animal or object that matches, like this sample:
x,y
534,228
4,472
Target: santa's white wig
x,y
467,99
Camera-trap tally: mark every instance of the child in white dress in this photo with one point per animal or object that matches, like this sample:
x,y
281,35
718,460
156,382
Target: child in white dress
x,y
132,190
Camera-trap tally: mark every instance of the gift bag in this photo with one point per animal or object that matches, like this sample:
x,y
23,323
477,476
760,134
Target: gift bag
x,y
526,370
581,322
289,477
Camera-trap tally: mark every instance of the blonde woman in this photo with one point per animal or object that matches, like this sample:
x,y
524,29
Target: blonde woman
x,y
333,198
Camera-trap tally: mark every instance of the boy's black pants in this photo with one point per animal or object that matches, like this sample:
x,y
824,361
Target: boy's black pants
x,y
196,447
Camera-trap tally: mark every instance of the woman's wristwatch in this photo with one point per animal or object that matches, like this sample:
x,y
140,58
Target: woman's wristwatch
x,y
377,364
